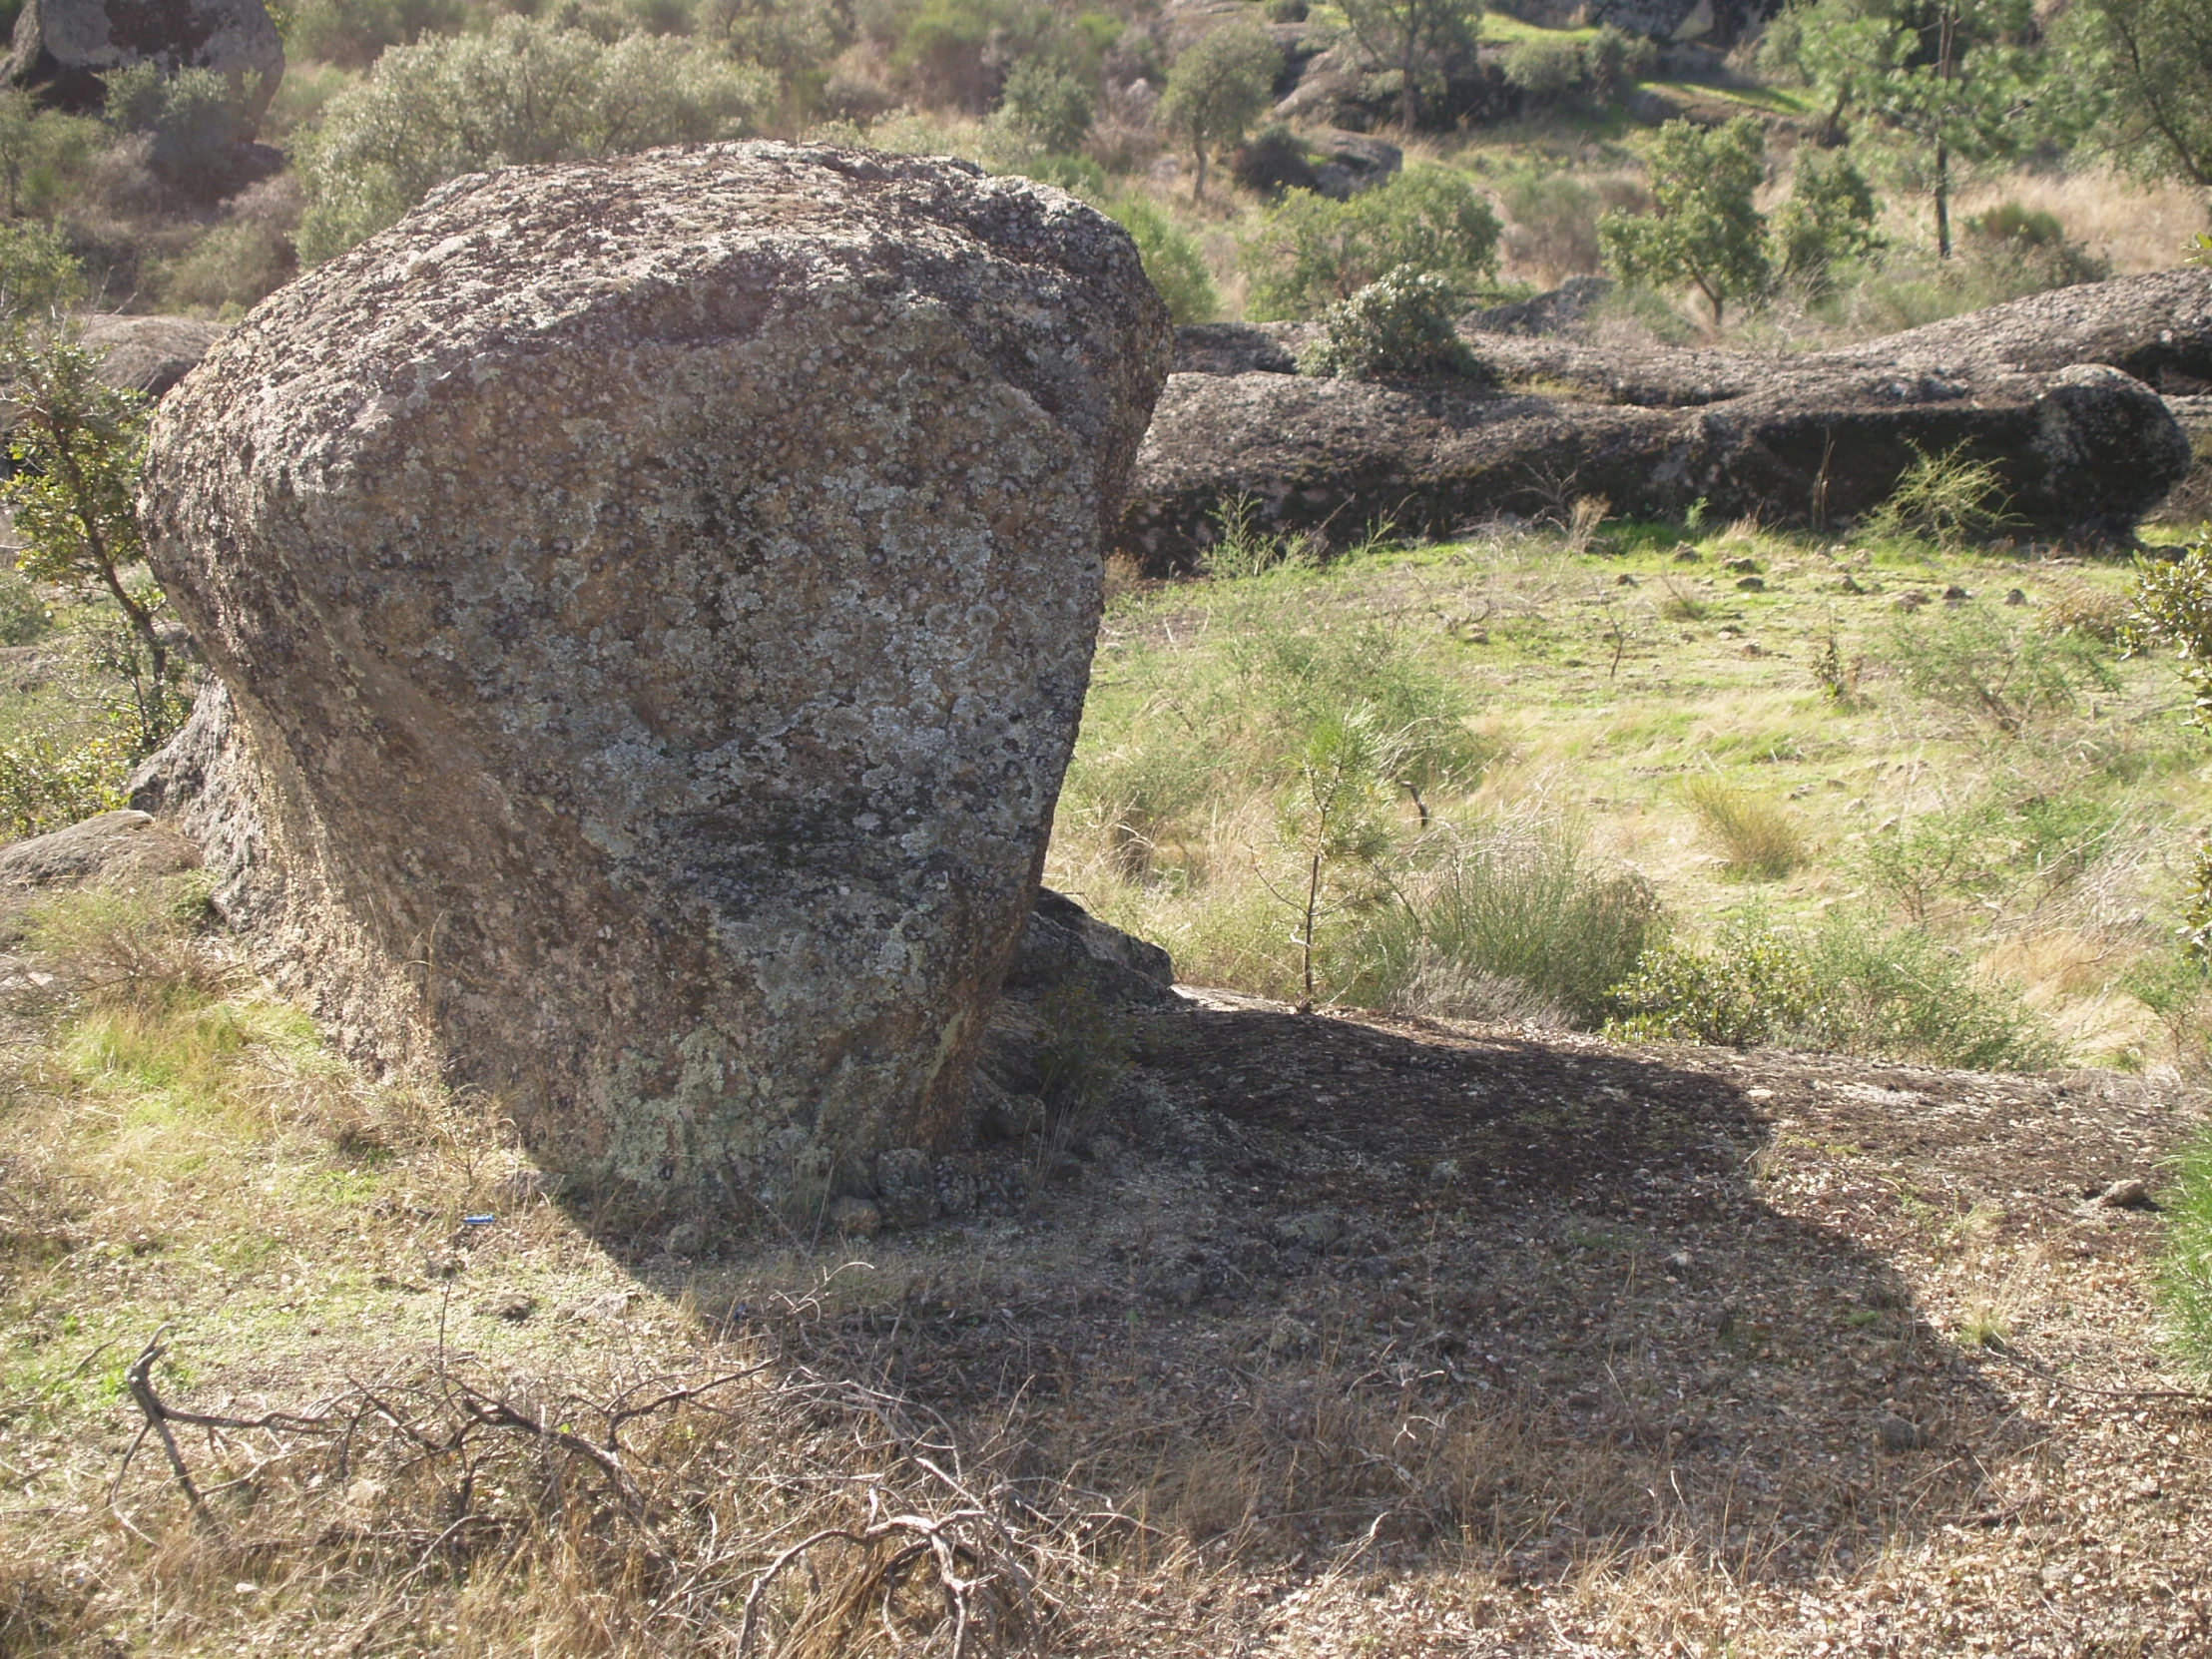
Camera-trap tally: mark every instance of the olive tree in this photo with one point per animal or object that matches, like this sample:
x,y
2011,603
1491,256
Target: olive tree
x,y
526,91
1218,87
2148,64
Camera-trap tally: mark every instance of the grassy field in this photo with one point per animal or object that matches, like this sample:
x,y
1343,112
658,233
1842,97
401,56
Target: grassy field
x,y
1765,732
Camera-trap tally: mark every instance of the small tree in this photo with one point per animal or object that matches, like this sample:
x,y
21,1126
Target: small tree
x,y
1218,87
77,448
1705,232
1416,38
1337,817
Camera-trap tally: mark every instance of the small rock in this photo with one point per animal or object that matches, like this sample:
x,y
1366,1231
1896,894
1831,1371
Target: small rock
x,y
2014,596
1902,1434
1909,601
906,1187
1742,567
1443,1171
1316,1229
686,1238
2126,1194
513,1308
1850,584
1956,595
1624,580
1685,554
1751,584
856,1218
1289,1337
1104,1147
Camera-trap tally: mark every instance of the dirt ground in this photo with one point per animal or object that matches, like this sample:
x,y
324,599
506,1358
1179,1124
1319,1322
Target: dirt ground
x,y
1354,1336
1597,1350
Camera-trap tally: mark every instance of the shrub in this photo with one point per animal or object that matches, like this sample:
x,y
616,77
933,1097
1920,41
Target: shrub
x,y
352,34
1506,920
527,91
231,269
2172,612
1046,105
1704,232
1171,259
38,273
1850,985
1544,66
24,613
1241,550
1399,326
1308,252
196,118
1972,658
1614,60
2035,239
1755,837
954,52
49,782
1751,988
1947,498
1828,218
42,152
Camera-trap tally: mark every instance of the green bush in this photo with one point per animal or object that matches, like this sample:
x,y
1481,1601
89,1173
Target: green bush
x,y
1308,252
953,52
24,613
353,33
1756,838
1544,66
1171,259
2171,612
1850,985
196,120
1828,220
1508,918
49,782
527,91
1614,60
38,273
1400,325
1950,499
1046,105
1985,850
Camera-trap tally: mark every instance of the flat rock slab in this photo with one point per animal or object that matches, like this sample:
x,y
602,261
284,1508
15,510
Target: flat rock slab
x,y
107,846
656,600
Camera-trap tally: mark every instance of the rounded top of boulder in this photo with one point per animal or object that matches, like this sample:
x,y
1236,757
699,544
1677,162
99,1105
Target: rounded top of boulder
x,y
678,248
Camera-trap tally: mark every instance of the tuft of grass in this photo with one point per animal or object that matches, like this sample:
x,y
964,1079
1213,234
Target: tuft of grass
x,y
1756,838
1512,921
2185,1273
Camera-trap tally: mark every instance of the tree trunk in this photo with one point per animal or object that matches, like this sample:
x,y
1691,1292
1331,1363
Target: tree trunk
x,y
1198,185
1942,199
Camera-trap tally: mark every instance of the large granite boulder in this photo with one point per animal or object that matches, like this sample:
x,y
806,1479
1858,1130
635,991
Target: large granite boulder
x,y
63,47
656,600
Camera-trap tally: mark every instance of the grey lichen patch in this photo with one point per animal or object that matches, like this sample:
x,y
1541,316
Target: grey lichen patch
x,y
661,594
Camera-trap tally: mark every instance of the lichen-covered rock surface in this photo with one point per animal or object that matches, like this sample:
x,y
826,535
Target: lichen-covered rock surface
x,y
2048,391
656,600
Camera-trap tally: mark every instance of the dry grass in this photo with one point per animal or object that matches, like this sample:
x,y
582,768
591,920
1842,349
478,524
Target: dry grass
x,y
1755,837
2131,225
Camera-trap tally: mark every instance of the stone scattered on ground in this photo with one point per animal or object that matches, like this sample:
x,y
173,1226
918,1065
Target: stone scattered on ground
x,y
121,845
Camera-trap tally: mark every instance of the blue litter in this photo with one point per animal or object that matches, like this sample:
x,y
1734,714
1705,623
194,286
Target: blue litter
x,y
478,1221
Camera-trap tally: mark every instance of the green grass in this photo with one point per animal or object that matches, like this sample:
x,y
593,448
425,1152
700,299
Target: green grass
x,y
2185,1279
1504,650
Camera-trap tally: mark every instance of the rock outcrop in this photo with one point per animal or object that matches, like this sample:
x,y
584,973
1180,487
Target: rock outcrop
x,y
656,600
121,845
149,353
63,47
2084,449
